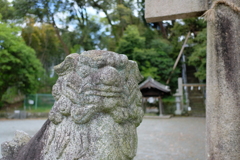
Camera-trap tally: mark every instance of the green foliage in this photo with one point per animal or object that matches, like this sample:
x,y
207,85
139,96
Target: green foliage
x,y
121,15
46,83
56,28
85,36
130,40
84,27
152,63
152,57
180,30
196,45
198,57
45,42
19,66
12,95
6,10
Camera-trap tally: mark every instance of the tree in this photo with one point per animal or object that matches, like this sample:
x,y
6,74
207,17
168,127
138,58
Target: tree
x,y
43,39
130,40
198,56
152,57
45,11
6,10
195,51
78,30
62,15
19,66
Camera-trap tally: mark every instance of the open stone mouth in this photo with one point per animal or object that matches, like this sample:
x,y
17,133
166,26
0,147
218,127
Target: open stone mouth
x,y
104,90
103,93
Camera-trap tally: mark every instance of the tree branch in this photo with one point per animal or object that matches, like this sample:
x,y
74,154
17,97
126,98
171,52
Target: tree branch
x,y
65,47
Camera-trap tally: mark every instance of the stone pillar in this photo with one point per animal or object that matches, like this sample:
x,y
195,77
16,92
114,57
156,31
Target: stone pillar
x,y
178,101
223,83
95,115
144,99
160,106
180,90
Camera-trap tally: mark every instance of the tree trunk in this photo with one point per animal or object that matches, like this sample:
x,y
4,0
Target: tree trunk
x,y
64,45
223,84
163,29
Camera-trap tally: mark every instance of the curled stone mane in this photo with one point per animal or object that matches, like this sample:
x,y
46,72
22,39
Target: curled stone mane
x,y
96,111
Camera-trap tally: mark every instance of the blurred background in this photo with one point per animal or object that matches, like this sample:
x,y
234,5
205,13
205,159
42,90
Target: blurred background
x,y
37,35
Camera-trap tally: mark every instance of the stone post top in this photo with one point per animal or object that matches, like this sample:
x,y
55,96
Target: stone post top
x,y
159,10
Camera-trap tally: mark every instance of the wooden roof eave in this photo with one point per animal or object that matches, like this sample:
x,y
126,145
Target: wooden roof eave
x,y
151,83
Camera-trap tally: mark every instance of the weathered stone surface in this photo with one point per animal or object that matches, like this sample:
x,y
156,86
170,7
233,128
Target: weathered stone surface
x,y
96,112
159,10
9,148
223,84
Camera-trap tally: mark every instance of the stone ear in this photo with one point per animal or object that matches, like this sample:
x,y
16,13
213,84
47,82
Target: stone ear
x,y
136,72
68,64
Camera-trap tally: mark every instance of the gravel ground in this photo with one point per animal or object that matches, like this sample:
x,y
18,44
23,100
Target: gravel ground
x,y
171,139
158,139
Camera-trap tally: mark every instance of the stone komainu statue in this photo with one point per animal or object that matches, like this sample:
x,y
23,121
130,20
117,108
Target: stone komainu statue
x,y
95,115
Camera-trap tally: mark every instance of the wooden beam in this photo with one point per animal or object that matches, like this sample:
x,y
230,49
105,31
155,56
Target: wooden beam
x,y
179,56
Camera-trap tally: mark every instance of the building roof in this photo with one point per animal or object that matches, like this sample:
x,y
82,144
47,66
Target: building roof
x,y
151,83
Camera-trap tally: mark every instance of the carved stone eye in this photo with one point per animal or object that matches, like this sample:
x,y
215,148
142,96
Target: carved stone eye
x,y
110,76
84,71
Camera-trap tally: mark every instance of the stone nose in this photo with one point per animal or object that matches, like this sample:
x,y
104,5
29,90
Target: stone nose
x,y
109,76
